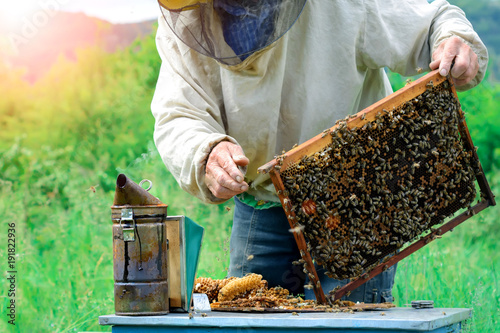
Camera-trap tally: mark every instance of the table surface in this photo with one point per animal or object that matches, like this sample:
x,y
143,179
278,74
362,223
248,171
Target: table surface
x,y
394,318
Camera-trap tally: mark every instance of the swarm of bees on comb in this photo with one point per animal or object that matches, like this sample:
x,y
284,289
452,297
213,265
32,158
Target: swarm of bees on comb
x,y
374,188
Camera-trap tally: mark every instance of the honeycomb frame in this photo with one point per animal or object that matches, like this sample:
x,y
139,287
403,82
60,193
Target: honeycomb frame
x,y
376,181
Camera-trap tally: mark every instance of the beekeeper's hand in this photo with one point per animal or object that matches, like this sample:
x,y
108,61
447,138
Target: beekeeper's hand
x,y
222,176
466,64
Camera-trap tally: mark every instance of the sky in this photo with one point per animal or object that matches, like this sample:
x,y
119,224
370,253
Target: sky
x,y
115,11
16,13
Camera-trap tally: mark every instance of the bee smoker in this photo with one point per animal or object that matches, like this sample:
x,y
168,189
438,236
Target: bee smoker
x,y
139,251
154,256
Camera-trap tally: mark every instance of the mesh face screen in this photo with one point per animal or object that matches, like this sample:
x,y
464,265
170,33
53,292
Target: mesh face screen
x,y
230,31
374,188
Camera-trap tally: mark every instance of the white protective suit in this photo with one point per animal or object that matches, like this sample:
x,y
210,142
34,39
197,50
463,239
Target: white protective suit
x,y
328,65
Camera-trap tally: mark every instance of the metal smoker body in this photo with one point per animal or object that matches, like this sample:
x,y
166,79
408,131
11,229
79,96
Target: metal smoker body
x,y
140,251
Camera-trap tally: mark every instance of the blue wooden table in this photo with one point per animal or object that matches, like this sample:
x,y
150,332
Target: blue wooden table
x,y
402,320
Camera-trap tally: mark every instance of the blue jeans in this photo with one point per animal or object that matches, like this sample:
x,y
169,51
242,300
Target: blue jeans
x,y
262,244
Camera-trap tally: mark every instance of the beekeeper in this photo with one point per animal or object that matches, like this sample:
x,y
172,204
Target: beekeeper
x,y
242,80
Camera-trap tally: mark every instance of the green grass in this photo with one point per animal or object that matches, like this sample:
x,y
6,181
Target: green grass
x,y
65,253
65,277
458,270
69,133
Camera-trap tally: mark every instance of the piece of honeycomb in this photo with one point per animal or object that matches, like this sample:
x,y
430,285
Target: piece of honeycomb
x,y
239,286
256,296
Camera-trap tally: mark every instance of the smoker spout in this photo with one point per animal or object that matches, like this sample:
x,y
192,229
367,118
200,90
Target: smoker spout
x,y
129,193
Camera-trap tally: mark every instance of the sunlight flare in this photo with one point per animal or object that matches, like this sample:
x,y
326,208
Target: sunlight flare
x,y
13,13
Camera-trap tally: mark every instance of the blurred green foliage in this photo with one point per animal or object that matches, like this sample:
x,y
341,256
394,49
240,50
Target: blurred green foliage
x,y
63,141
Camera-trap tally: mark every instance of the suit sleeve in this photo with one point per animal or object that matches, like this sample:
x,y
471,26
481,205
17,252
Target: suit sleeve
x,y
403,34
187,109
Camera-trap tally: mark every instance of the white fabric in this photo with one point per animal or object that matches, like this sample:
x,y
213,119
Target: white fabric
x,y
330,64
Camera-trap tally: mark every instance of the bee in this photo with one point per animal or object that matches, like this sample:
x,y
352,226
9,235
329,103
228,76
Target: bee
x,y
227,208
190,315
419,70
93,188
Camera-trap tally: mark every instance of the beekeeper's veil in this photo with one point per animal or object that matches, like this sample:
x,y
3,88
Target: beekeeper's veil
x,y
230,30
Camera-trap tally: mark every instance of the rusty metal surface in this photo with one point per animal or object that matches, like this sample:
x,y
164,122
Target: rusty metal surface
x,y
129,193
140,248
139,211
140,267
141,298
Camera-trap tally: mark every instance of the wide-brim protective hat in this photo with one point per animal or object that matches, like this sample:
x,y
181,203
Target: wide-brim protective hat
x,y
230,30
